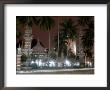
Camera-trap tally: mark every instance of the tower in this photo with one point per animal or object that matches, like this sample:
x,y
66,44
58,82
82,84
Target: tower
x,y
28,38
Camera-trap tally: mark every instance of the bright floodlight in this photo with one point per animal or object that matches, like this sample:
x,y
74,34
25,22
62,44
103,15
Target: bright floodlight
x,y
52,64
40,63
36,62
32,62
67,63
77,64
90,64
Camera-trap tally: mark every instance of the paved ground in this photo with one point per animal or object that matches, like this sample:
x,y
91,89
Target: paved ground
x,y
61,71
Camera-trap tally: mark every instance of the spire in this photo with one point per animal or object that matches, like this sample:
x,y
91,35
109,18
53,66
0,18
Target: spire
x,y
38,42
19,45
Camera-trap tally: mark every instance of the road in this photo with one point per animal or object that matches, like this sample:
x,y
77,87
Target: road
x,y
61,71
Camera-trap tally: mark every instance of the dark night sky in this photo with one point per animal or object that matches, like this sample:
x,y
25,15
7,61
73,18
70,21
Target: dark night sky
x,y
43,35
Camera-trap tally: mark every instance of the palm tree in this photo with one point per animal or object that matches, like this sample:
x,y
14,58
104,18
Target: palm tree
x,y
67,31
26,20
88,39
18,35
18,39
46,23
84,20
88,36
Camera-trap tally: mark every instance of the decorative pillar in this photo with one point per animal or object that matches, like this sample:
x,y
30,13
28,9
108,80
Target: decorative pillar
x,y
18,59
18,62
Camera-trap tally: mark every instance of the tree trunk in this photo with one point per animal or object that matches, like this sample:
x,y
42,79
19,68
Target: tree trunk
x,y
58,36
49,40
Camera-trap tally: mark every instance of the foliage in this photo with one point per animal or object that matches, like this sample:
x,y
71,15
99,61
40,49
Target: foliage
x,y
71,55
53,55
18,34
88,37
32,56
67,31
84,20
26,20
45,22
23,58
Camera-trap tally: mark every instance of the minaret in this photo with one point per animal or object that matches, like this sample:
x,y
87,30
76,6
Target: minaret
x,y
28,38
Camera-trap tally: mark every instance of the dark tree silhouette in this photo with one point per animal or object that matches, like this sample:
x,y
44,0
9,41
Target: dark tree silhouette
x,y
26,20
33,43
88,37
67,31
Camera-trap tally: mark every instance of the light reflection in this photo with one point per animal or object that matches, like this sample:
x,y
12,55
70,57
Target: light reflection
x,y
36,62
68,63
89,64
51,64
40,63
